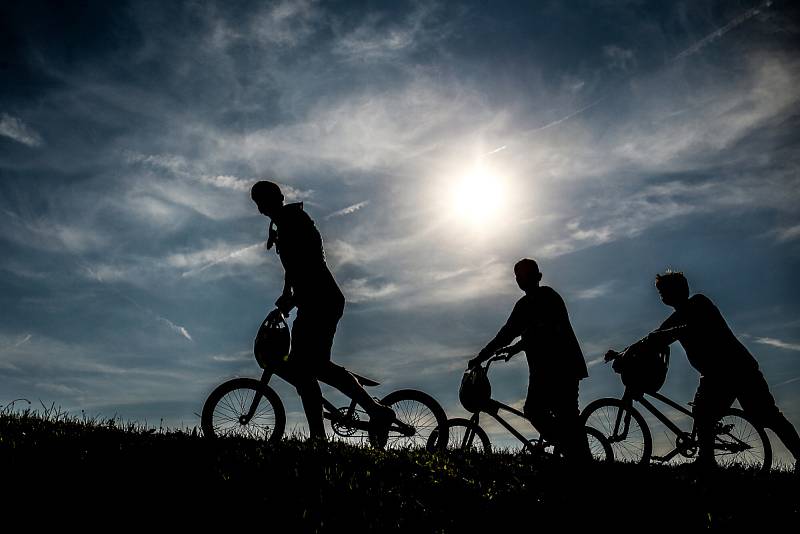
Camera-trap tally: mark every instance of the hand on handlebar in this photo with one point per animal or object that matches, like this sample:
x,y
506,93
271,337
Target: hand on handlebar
x,y
474,362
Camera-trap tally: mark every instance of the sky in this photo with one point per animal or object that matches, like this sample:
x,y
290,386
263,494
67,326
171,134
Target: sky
x,y
433,143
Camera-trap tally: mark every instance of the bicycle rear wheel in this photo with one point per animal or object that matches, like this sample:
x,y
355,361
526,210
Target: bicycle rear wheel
x,y
244,408
415,410
623,427
740,442
464,435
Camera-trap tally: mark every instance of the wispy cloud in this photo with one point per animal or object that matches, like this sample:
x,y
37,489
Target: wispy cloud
x,y
594,292
361,289
787,234
348,210
17,130
773,342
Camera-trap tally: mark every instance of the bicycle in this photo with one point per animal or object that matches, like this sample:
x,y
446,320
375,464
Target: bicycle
x,y
250,408
738,440
467,433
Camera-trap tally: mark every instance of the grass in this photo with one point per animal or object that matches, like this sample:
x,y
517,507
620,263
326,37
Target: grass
x,y
87,466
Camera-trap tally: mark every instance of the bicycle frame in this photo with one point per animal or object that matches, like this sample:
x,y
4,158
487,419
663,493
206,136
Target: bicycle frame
x,y
493,408
330,412
685,442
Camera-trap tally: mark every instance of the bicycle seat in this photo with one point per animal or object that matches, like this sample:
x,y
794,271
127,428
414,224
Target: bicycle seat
x,y
364,381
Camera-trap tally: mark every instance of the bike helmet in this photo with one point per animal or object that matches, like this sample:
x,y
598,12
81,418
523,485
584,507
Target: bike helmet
x,y
475,390
273,341
645,369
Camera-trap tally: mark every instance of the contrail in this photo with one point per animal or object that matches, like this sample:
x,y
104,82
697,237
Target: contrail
x,y
348,210
174,327
559,121
710,38
496,150
223,259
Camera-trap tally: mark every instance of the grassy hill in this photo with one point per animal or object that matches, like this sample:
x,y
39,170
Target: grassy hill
x,y
85,468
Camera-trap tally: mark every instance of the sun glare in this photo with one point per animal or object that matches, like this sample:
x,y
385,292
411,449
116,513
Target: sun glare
x,y
478,198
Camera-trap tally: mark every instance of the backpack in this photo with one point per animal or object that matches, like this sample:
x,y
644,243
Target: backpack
x,y
643,370
273,341
475,390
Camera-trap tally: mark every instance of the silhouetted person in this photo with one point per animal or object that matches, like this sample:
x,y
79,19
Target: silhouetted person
x,y
555,361
727,369
310,286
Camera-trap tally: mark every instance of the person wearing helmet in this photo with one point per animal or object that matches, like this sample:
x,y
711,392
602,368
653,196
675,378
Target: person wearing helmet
x,y
310,287
727,369
555,360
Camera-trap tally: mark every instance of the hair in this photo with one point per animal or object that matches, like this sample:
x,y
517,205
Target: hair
x,y
526,265
264,189
672,282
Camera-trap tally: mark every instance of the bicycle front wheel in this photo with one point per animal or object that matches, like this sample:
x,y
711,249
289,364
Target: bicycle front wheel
x,y
419,416
599,446
738,441
623,427
244,408
464,435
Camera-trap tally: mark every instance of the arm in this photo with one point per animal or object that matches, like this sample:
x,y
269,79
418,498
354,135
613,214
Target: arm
x,y
511,330
285,301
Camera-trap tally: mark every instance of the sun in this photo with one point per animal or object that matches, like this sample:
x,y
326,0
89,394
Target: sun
x,y
478,197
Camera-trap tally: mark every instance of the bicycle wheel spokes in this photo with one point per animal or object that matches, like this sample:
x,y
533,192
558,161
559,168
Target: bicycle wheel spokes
x,y
739,442
416,415
623,428
419,416
244,408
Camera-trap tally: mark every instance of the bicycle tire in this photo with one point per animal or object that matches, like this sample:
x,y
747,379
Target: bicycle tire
x,y
417,409
231,399
463,434
599,445
736,429
633,446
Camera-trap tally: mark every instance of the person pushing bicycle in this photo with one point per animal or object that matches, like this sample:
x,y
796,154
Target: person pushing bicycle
x,y
555,360
727,369
310,287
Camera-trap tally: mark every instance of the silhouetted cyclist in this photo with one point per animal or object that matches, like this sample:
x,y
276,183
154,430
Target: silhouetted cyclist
x,y
310,286
727,369
555,360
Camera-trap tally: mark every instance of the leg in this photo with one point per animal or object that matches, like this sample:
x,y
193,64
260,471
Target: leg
x,y
713,397
340,378
758,402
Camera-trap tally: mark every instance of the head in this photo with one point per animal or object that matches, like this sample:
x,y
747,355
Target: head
x,y
268,197
673,287
527,273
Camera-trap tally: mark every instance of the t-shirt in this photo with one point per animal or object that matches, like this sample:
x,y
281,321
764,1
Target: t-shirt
x,y
541,319
302,255
709,343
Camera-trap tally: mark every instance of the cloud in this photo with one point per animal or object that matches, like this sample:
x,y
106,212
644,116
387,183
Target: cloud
x,y
594,292
17,130
361,290
348,210
773,342
787,234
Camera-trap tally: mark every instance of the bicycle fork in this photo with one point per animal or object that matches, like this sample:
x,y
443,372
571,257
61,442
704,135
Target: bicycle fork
x,y
245,418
